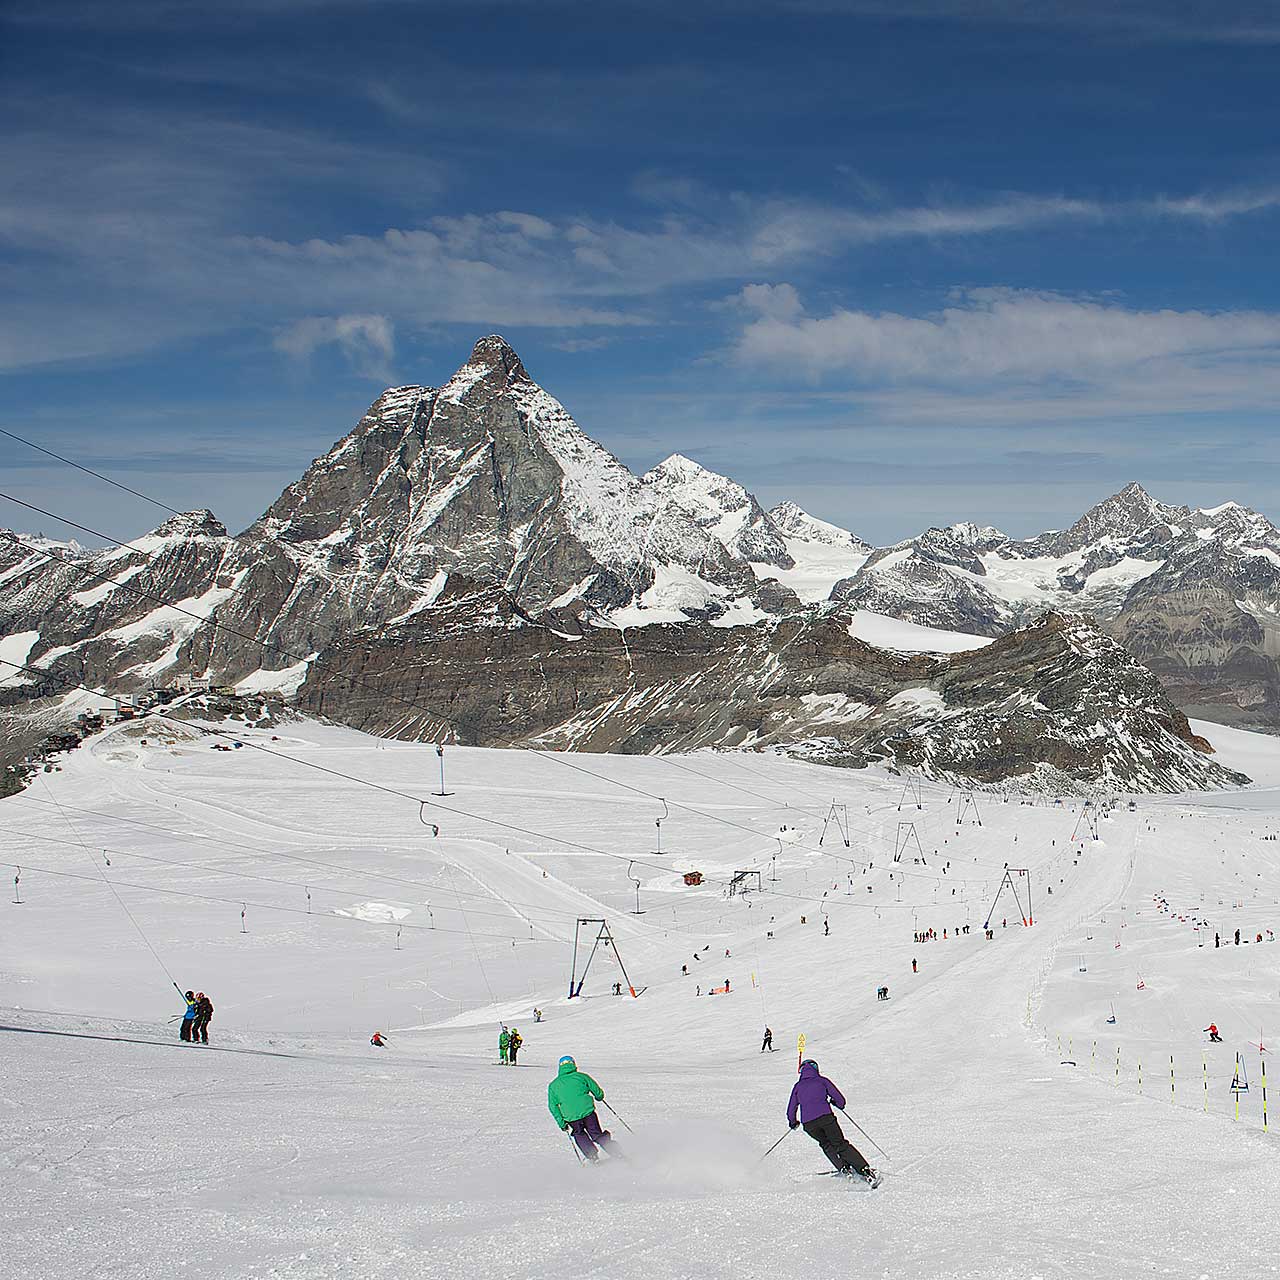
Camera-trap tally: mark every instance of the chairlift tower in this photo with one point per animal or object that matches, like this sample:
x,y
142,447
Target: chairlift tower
x,y
657,822
911,792
440,756
1088,816
636,881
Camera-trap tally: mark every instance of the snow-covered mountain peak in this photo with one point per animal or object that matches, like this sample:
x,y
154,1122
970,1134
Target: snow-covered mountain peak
x,y
1120,519
191,524
1234,523
722,507
981,537
793,521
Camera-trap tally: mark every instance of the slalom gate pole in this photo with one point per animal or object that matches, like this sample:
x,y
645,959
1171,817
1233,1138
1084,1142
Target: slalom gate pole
x,y
774,1148
865,1134
617,1117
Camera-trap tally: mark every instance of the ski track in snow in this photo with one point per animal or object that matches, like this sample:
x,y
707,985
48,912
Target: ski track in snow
x,y
292,1148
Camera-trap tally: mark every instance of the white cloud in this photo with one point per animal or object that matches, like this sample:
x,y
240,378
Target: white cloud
x,y
775,301
1000,334
367,341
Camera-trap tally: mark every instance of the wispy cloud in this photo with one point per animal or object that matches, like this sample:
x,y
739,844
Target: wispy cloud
x,y
990,334
134,229
367,341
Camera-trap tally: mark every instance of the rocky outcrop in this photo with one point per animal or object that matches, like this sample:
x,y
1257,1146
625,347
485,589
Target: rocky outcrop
x,y
1058,706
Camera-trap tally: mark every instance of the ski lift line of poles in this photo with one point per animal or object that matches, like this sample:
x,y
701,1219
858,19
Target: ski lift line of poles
x,y
204,840
474,945
309,887
426,714
849,824
802,898
420,801
799,897
28,867
123,906
463,813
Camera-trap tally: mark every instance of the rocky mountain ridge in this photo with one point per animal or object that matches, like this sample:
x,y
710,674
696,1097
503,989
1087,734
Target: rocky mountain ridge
x,y
479,515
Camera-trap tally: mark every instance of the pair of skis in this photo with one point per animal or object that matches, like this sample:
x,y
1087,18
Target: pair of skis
x,y
873,1178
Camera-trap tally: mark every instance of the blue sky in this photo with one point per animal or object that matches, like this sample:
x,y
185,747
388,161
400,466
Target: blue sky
x,y
905,262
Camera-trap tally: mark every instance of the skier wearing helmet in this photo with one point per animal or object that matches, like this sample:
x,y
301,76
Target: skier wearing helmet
x,y
204,1015
188,1016
571,1099
810,1105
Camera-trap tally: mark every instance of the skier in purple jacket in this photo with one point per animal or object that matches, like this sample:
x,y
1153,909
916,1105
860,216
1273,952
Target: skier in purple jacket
x,y
810,1105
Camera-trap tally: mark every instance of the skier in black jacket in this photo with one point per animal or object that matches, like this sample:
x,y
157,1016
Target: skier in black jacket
x,y
204,1015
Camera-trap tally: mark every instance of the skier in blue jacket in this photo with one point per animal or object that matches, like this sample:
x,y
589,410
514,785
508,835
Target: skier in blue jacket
x,y
189,1017
810,1105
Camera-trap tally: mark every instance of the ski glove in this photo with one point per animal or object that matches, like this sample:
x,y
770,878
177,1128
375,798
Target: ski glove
x,y
795,1124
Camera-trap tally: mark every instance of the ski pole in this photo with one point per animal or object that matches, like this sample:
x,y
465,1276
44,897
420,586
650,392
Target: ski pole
x,y
574,1145
774,1148
619,1119
865,1134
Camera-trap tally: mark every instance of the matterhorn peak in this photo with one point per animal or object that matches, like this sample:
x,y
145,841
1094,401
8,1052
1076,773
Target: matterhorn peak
x,y
492,365
494,352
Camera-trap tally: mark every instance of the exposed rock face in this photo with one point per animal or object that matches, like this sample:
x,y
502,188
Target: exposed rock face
x,y
487,478
1208,620
1057,698
1059,705
1130,519
490,479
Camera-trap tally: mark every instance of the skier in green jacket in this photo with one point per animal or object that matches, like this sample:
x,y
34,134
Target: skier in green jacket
x,y
504,1043
572,1098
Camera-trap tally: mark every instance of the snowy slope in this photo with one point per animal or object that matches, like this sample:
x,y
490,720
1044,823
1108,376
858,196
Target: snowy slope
x,y
906,637
301,1151
720,506
821,553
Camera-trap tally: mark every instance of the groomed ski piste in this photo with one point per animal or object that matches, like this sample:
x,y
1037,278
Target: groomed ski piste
x,y
293,881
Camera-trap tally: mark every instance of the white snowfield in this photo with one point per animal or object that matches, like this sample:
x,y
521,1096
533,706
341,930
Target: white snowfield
x,y
291,1147
909,637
